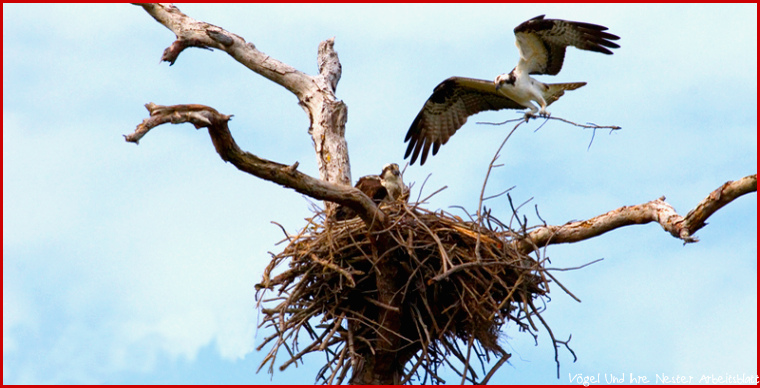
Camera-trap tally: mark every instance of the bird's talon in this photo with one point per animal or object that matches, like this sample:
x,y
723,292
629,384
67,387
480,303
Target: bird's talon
x,y
457,98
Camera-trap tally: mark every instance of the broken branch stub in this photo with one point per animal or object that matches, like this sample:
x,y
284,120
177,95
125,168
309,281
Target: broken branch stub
x,y
653,211
316,94
285,175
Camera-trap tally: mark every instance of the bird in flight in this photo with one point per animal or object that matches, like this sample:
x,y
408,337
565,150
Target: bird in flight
x,y
541,43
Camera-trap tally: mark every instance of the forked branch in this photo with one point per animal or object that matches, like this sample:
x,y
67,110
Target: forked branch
x,y
194,33
206,117
653,211
316,94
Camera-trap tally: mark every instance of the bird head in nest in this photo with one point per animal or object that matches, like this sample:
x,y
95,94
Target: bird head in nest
x,y
392,181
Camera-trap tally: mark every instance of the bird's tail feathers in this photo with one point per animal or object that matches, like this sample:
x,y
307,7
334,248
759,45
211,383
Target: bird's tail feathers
x,y
555,91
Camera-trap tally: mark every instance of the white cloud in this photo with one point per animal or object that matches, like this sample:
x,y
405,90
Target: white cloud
x,y
19,318
120,308
15,312
130,271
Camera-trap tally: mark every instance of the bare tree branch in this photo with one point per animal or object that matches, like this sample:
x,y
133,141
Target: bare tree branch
x,y
720,197
654,211
316,94
327,117
206,117
194,33
374,339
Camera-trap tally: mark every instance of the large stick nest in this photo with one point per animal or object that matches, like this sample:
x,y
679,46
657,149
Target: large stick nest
x,y
455,283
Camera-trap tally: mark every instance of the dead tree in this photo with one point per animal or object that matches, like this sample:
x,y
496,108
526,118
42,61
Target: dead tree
x,y
397,290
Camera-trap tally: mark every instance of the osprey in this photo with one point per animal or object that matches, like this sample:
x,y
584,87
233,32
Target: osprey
x,y
386,187
541,43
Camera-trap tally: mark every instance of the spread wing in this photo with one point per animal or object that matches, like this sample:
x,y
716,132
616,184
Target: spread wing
x,y
447,109
542,42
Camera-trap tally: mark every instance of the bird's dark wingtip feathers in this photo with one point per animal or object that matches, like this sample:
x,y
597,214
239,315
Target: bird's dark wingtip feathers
x,y
409,150
425,152
413,137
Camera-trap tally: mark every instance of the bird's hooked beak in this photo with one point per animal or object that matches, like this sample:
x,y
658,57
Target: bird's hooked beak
x,y
392,168
498,82
504,79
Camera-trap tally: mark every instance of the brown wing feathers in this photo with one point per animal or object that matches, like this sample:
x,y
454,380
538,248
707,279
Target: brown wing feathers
x,y
558,34
371,186
447,109
457,98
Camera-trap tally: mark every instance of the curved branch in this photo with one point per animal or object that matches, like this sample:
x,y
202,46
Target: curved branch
x,y
720,197
654,211
316,94
194,33
202,116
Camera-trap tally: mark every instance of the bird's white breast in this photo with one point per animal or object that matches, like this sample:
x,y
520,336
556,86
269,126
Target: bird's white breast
x,y
524,90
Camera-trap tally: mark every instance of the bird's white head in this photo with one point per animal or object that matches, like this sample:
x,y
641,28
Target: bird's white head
x,y
390,171
392,181
505,79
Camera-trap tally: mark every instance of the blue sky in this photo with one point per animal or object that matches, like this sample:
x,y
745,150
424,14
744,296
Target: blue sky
x,y
136,264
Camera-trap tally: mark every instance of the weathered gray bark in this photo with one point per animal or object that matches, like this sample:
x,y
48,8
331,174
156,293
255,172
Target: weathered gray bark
x,y
315,93
654,211
206,117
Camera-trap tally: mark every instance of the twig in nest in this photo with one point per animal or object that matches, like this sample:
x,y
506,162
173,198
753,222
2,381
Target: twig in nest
x,y
485,181
520,122
491,166
554,340
332,277
285,232
493,370
434,193
562,286
467,360
500,194
575,268
422,187
539,215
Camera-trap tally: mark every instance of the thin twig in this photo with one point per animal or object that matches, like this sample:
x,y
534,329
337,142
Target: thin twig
x,y
493,370
551,334
467,360
574,268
